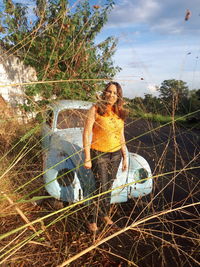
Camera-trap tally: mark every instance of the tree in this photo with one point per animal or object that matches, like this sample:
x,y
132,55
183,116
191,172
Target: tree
x,y
194,105
152,103
174,95
60,44
137,104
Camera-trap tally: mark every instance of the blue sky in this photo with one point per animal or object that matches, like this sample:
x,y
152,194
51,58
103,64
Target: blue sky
x,y
155,43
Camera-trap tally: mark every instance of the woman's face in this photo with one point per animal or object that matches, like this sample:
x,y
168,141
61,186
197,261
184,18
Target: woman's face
x,y
111,94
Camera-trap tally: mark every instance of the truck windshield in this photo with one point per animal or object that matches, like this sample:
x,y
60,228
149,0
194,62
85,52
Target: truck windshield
x,y
71,118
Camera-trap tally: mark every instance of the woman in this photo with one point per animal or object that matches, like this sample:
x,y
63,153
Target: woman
x,y
105,121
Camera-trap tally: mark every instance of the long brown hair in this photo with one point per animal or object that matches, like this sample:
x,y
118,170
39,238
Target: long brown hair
x,y
117,107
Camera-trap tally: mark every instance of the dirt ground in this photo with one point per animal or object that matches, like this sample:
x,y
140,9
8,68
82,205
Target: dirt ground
x,y
175,150
170,239
167,149
173,238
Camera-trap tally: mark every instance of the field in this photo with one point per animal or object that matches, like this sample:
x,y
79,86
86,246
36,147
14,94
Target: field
x,y
161,229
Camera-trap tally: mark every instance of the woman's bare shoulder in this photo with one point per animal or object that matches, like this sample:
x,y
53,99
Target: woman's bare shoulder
x,y
92,111
93,108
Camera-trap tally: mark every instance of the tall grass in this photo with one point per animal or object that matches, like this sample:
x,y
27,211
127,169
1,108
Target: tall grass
x,y
161,229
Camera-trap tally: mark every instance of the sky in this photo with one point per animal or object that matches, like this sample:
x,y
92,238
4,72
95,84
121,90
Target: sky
x,y
155,42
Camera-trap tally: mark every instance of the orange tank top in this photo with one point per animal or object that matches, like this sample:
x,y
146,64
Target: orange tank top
x,y
107,132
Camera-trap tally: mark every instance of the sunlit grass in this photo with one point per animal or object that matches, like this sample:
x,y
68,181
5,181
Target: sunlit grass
x,y
158,117
146,228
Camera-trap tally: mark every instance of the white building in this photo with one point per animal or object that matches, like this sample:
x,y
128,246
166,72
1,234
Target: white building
x,y
13,71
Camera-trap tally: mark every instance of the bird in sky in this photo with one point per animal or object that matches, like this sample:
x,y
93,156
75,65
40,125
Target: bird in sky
x,y
187,15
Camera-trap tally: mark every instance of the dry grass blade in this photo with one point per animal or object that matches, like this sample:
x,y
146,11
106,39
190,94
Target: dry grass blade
x,y
19,211
156,229
132,226
17,247
13,240
172,245
130,263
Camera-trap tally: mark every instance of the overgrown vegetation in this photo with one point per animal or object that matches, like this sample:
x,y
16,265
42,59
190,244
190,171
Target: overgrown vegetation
x,y
175,100
161,229
146,230
59,42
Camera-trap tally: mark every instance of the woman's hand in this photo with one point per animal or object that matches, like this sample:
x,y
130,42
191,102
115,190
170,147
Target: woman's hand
x,y
88,164
124,164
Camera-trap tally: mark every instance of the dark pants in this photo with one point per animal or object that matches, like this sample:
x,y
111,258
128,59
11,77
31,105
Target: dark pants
x,y
104,168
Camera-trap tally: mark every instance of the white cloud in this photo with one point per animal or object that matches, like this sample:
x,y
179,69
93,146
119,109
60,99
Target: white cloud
x,y
168,25
160,16
158,44
146,10
156,62
152,88
128,12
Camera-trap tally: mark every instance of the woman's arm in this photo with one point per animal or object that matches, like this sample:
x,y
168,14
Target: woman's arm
x,y
123,149
86,136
